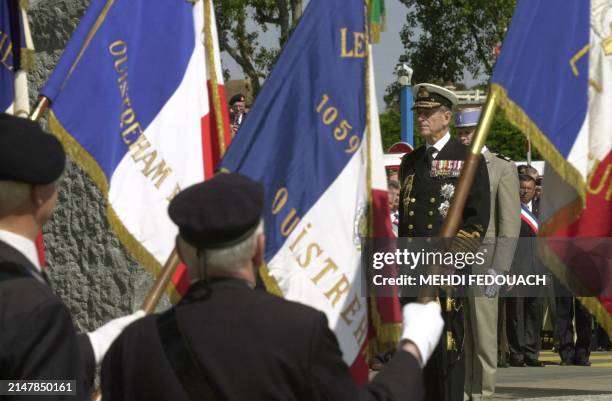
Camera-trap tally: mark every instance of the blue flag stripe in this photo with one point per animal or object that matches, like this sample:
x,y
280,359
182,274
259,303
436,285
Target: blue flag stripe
x,y
77,43
9,24
542,69
309,118
106,123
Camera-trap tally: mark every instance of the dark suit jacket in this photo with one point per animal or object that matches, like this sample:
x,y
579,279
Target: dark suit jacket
x,y
251,346
37,338
420,196
525,259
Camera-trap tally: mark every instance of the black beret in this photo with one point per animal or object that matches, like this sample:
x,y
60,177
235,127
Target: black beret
x,y
237,98
27,153
219,212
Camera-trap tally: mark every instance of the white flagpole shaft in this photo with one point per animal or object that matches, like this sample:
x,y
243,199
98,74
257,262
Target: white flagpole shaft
x,y
21,106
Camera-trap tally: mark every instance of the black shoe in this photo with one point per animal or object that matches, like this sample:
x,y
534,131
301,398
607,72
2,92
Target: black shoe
x,y
534,363
503,364
566,362
582,362
517,364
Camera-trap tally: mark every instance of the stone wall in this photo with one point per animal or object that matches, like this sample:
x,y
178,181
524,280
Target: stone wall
x,y
89,268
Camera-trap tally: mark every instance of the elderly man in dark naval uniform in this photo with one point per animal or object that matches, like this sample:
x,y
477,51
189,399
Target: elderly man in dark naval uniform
x,y
227,341
428,177
38,340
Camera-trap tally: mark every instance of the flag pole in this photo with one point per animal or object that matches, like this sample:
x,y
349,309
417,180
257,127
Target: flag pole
x,y
161,283
40,109
152,299
466,179
212,70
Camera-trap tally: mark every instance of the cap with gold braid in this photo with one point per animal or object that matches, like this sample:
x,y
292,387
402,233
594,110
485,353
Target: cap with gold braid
x,y
429,96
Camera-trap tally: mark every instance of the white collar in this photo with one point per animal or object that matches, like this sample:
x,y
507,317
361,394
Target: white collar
x,y
441,142
23,245
484,149
528,205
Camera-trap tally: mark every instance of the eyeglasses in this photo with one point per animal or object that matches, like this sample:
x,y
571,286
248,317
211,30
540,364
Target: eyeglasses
x,y
426,113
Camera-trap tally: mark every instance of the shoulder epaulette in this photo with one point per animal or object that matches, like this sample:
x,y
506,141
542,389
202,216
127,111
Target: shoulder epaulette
x,y
506,158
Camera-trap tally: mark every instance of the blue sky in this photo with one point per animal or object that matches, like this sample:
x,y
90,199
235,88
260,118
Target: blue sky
x,y
386,52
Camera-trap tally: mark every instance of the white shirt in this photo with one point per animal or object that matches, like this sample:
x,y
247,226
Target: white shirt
x,y
484,149
439,145
23,245
529,206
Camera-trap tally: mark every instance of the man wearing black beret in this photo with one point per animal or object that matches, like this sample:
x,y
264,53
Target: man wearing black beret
x,y
38,340
237,111
226,341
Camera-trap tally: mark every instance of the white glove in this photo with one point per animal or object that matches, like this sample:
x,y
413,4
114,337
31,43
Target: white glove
x,y
102,338
423,325
493,289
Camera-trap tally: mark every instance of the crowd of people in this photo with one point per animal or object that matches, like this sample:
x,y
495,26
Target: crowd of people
x,y
225,340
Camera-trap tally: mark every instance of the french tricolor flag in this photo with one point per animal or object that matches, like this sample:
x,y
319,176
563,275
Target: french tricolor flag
x,y
553,80
138,101
312,139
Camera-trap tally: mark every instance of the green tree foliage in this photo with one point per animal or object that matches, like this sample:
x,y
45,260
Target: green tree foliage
x,y
390,128
503,138
443,39
506,139
239,24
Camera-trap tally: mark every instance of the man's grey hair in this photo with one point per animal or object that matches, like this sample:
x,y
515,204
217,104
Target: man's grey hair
x,y
236,255
226,259
13,194
446,108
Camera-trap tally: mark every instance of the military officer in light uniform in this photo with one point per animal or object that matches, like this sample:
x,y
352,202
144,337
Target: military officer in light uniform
x,y
500,242
428,178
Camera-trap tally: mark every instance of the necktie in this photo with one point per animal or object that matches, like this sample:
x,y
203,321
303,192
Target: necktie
x,y
430,157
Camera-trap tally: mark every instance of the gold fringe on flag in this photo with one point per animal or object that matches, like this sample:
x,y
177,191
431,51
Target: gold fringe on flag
x,y
563,217
387,334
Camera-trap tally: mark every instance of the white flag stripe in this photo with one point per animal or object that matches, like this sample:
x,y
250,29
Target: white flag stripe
x,y
175,134
594,141
329,232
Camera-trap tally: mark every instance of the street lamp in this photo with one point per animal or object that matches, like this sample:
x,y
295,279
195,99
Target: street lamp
x,y
404,79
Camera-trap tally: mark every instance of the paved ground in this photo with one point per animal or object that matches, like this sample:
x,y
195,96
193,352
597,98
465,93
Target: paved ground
x,y
555,382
